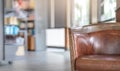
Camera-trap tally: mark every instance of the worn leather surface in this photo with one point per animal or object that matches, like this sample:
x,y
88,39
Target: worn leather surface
x,y
102,42
83,46
98,63
104,48
105,42
96,48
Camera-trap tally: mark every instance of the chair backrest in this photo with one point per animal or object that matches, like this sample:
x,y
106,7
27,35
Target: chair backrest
x,y
105,42
103,38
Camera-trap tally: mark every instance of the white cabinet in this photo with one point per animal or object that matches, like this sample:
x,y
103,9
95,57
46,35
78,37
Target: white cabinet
x,y
55,37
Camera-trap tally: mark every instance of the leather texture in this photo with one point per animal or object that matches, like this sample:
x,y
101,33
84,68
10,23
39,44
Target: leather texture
x,y
105,42
98,62
96,48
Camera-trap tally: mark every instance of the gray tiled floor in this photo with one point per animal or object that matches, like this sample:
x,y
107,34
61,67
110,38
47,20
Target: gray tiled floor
x,y
40,61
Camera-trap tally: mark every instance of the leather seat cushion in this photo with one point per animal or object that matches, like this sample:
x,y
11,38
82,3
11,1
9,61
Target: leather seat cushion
x,y
98,62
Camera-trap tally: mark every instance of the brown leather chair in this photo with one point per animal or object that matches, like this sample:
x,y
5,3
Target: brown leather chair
x,y
96,47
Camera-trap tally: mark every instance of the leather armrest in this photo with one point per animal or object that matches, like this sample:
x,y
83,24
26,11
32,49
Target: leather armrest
x,y
81,45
